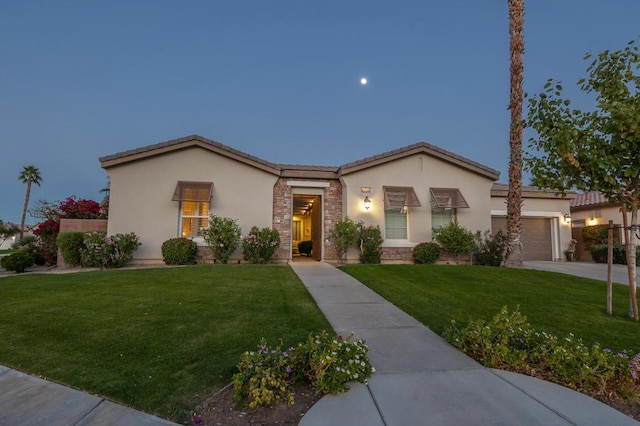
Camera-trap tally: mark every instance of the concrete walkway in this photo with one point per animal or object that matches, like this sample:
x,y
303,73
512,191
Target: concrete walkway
x,y
26,400
422,380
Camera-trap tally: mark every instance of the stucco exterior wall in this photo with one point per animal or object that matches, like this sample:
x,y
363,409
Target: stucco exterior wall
x,y
141,193
421,172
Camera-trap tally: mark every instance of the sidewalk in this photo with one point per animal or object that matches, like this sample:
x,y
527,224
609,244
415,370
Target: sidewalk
x,y
422,380
26,400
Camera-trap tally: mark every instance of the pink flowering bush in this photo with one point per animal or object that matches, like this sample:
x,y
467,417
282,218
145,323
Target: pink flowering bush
x,y
104,251
509,342
260,245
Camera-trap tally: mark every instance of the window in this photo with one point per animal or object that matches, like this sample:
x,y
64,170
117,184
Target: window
x,y
397,200
194,200
395,224
444,205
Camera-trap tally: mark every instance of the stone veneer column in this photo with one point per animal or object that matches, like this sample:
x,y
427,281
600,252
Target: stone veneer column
x,y
282,218
332,214
282,199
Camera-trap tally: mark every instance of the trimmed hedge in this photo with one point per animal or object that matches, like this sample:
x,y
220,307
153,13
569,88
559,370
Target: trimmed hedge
x,y
71,245
18,262
426,253
599,254
180,251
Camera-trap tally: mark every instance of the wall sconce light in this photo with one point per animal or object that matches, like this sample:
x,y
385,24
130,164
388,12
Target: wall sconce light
x,y
367,203
567,218
592,221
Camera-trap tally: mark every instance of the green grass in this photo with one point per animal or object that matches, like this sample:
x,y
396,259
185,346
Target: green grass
x,y
161,340
556,303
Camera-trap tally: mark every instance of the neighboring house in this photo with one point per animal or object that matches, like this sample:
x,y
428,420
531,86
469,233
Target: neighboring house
x,y
591,209
170,189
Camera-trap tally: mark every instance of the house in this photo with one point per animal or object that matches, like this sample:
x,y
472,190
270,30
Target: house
x,y
169,189
593,209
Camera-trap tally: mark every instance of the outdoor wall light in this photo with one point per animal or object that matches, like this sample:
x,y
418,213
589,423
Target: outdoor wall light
x,y
366,202
567,218
592,221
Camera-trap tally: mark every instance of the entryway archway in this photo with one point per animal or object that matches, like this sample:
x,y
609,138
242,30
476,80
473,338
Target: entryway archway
x,y
306,227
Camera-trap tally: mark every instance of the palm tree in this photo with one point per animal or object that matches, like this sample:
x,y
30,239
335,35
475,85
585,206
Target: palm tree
x,y
513,255
29,175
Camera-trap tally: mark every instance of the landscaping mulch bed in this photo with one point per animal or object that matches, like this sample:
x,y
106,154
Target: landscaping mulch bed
x,y
221,409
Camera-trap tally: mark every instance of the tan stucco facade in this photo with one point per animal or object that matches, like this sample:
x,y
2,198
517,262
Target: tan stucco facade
x,y
141,195
256,192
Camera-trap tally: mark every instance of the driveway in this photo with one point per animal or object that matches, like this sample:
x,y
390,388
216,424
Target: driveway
x,y
597,271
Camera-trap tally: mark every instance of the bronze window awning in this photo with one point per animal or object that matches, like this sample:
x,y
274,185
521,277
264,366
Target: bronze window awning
x,y
397,197
448,198
193,191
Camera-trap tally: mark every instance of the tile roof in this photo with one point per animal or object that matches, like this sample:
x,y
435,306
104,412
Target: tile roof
x,y
501,189
592,198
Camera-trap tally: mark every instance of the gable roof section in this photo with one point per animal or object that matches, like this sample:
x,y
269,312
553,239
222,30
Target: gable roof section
x,y
421,148
293,170
187,142
501,190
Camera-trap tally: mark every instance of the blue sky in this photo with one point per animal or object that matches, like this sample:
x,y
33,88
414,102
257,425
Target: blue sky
x,y
277,79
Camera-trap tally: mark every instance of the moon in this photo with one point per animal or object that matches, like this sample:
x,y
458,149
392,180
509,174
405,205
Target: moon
x,y
363,81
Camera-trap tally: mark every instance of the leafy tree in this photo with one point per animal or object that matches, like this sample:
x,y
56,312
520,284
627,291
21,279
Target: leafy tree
x,y
455,240
593,150
7,230
29,175
513,252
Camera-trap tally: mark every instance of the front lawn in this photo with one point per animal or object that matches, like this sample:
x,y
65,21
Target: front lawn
x,y
556,303
160,340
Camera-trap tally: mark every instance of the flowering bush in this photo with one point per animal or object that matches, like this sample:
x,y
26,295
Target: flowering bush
x,y
267,375
108,252
370,239
344,236
489,248
222,236
260,245
509,342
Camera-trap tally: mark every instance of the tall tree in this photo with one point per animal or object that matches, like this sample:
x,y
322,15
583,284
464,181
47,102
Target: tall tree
x,y
29,175
513,252
596,150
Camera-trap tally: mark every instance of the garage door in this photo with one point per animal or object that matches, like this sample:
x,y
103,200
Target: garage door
x,y
536,236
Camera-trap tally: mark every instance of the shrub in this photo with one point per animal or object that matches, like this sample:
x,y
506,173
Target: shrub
x,y
344,236
489,248
180,251
455,240
426,253
108,252
17,262
70,245
370,239
330,362
305,247
508,341
598,234
222,236
600,254
266,376
260,245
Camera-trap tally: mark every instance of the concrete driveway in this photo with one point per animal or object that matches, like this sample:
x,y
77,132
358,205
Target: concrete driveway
x,y
597,271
